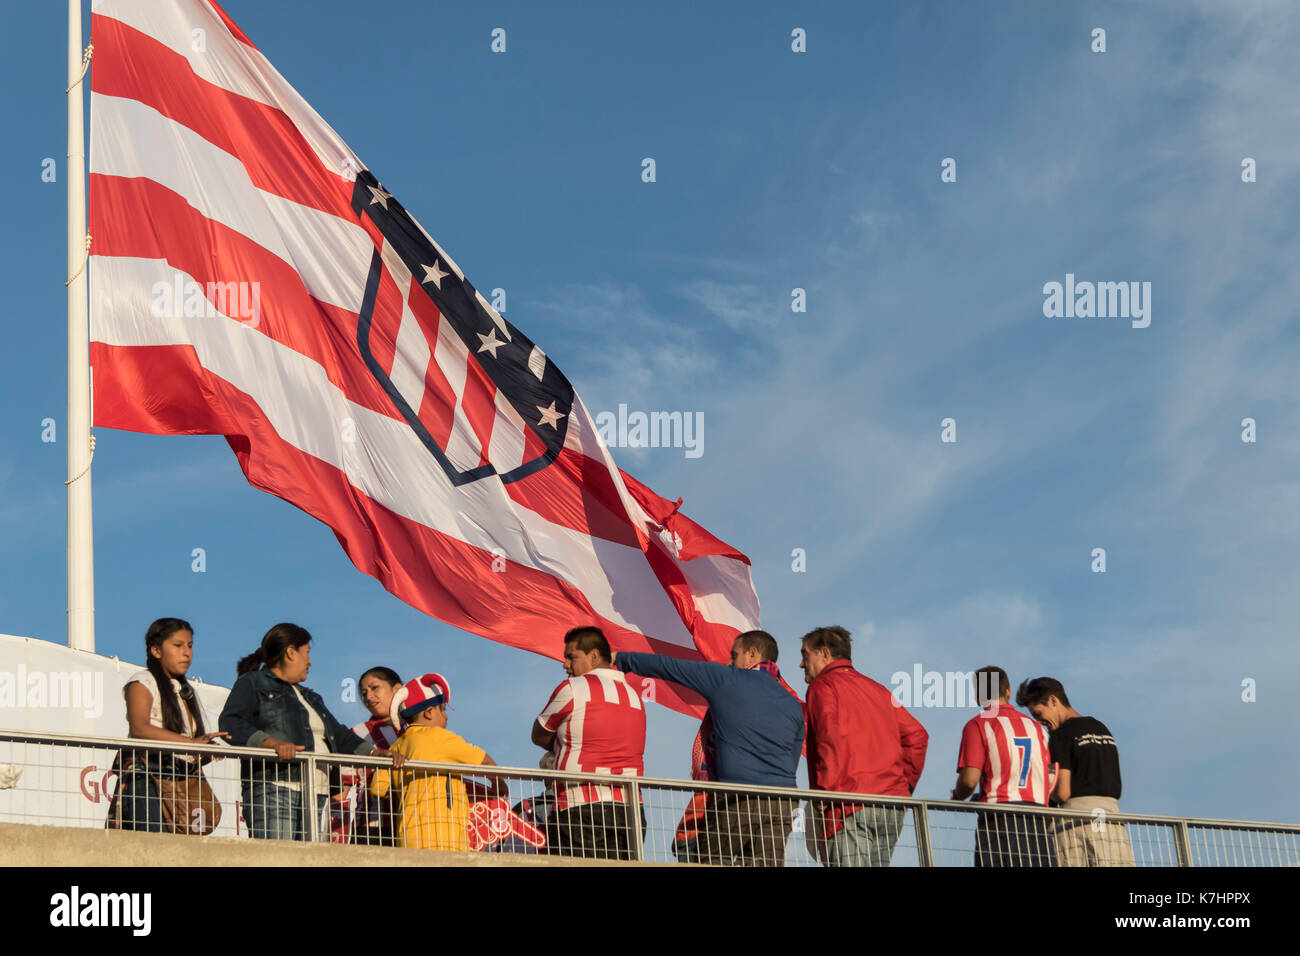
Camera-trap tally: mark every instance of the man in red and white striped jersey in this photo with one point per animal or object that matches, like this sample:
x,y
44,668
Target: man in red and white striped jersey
x,y
1005,752
595,723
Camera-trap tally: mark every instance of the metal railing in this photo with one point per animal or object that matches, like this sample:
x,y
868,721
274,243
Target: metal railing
x,y
66,780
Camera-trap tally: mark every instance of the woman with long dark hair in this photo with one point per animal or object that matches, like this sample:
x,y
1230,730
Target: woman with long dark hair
x,y
160,705
270,707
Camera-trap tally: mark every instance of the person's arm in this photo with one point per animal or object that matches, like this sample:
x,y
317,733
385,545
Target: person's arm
x,y
346,740
557,708
819,716
703,677
239,715
139,701
914,739
1062,791
379,782
239,720
381,778
542,737
968,779
970,760
1058,755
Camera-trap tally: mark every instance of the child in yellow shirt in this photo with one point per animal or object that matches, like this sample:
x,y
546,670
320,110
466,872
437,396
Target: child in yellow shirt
x,y
435,806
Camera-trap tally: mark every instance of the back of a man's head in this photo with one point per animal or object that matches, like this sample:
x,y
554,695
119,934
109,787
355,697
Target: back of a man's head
x,y
761,642
834,640
1036,691
588,639
991,685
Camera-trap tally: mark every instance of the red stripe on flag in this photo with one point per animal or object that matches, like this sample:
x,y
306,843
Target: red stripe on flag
x,y
534,447
385,322
696,541
577,492
134,65
442,576
210,252
438,409
478,401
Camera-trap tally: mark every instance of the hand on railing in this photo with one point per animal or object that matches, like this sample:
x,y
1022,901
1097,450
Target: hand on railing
x,y
208,739
283,749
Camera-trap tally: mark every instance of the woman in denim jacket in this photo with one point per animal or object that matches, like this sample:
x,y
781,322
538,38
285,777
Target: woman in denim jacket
x,y
269,707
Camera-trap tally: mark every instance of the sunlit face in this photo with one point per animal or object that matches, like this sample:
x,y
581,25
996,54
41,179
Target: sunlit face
x,y
295,664
175,653
1050,713
577,663
813,662
376,694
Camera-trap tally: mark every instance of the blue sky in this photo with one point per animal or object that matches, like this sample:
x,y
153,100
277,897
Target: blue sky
x,y
778,170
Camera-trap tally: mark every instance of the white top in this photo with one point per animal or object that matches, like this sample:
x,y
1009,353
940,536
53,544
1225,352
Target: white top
x,y
317,726
145,679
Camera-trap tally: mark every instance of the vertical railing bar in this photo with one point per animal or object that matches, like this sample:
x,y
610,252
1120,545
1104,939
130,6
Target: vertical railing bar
x,y
309,809
921,823
1183,843
638,851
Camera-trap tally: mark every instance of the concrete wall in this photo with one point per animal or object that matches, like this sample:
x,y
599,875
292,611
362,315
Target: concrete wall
x,y
25,845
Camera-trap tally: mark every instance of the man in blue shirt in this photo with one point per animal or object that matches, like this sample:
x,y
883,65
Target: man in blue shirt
x,y
757,735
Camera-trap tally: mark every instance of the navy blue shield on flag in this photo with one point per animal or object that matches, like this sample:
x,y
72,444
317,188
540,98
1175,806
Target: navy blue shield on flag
x,y
480,395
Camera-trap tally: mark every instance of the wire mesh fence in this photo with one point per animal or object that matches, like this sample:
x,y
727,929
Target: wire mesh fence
x,y
248,793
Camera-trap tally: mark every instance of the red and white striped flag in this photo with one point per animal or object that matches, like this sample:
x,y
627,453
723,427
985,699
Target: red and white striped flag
x,y
251,278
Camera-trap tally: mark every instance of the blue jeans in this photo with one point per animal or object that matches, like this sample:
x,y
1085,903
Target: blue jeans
x,y
275,813
867,839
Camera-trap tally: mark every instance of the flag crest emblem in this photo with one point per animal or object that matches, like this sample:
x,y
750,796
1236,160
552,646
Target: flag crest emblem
x,y
481,396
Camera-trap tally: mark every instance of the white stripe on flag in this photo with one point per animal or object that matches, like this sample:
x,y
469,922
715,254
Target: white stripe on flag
x,y
506,450
132,140
231,65
411,360
463,448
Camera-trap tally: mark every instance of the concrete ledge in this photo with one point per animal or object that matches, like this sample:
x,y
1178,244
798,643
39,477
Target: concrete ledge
x,y
24,845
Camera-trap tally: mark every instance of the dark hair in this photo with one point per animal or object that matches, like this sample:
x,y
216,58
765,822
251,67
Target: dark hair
x,y
834,639
274,643
158,632
588,639
984,685
760,641
1037,691
385,674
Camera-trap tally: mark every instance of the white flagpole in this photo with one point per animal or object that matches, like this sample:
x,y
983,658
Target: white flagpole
x,y
81,562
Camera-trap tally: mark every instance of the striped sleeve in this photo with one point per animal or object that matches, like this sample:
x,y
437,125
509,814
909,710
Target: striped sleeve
x,y
557,708
973,752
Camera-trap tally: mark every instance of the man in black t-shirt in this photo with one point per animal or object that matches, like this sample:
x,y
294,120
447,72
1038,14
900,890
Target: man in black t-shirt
x,y
1087,778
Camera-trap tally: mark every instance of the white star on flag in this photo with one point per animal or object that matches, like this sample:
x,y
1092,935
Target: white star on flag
x,y
381,196
550,416
434,274
490,342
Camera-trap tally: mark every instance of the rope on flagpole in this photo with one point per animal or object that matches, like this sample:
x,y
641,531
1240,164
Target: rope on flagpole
x,y
85,65
87,468
84,260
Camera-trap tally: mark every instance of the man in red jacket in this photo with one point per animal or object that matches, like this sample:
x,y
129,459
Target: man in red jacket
x,y
860,740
